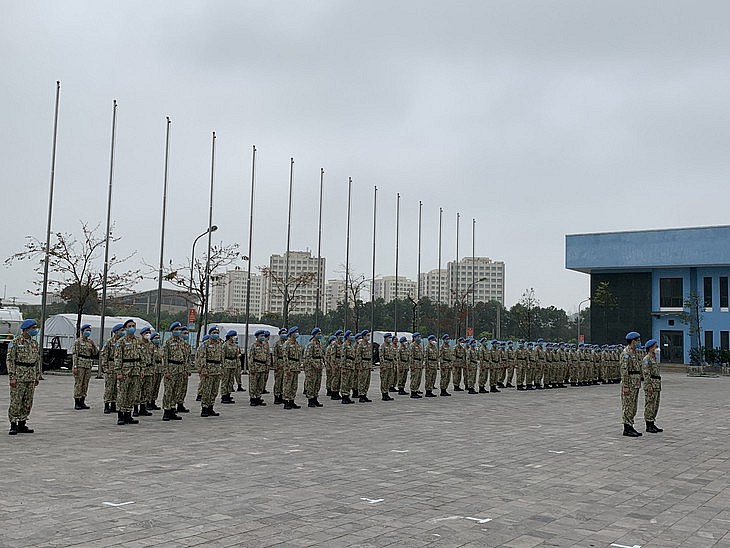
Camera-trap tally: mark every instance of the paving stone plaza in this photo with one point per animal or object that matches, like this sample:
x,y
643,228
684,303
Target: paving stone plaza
x,y
515,469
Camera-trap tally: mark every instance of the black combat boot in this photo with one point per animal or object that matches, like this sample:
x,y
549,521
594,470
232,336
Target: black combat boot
x,y
346,399
335,396
166,415
204,411
294,405
13,428
494,389
212,412
182,409
287,404
652,428
129,419
402,392
458,388
77,404
83,403
253,402
261,401
240,389
472,391
508,385
153,406
121,418
529,387
107,408
226,398
23,429
520,387
364,399
317,404
386,397
198,397
430,394
278,400
630,432
483,390
143,411
174,416
444,392
135,413
355,394
329,393
392,389
539,386
416,395
310,402
113,407
500,384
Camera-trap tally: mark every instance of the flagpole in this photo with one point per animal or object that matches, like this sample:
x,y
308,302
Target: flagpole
x,y
108,231
397,253
285,310
210,232
347,247
438,288
372,280
473,276
162,232
250,246
44,295
457,296
319,249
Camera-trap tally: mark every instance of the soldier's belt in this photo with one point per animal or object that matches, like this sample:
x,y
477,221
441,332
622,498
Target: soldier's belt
x,y
260,361
433,359
293,359
26,364
444,359
131,360
175,362
349,359
212,361
657,377
634,372
87,356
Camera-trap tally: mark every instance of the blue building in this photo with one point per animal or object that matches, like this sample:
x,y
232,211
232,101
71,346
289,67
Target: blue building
x,y
647,275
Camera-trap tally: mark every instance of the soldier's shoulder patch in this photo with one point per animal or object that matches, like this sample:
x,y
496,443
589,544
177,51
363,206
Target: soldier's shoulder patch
x,y
625,355
10,345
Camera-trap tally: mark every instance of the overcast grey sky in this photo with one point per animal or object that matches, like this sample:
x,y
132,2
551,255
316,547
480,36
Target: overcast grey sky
x,y
536,118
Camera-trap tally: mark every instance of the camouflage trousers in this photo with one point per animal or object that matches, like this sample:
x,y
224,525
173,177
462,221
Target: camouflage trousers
x,y
81,382
538,373
110,386
279,380
227,377
312,381
651,403
237,376
445,379
471,375
347,377
509,373
145,388
416,377
483,375
208,389
386,373
182,387
127,392
628,405
156,383
430,377
266,377
289,383
363,380
328,377
401,374
171,389
333,378
457,372
520,373
256,383
21,400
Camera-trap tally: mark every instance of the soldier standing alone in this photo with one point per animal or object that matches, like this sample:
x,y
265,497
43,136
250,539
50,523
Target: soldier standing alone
x,y
630,383
292,352
259,358
652,385
313,365
83,352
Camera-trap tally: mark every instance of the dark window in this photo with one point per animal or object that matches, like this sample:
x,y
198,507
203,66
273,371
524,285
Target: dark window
x,y
708,292
723,291
670,293
725,340
708,340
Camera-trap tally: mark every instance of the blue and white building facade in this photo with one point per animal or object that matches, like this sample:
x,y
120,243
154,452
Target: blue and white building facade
x,y
649,274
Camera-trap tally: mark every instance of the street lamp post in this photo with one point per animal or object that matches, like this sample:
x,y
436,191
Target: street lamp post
x,y
578,320
192,257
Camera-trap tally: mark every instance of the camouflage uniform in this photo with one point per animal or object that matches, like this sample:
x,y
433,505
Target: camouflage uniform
x,y
185,372
388,355
174,367
404,361
631,379
416,365
146,373
23,363
472,365
329,355
520,356
128,366
432,365
259,358
209,363
485,365
496,372
541,373
83,353
106,363
156,376
509,362
652,386
231,362
278,355
336,357
459,365
446,364
531,369
292,364
347,367
401,368
364,367
313,364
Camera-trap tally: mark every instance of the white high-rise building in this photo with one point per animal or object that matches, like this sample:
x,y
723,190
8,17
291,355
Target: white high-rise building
x,y
228,292
482,277
430,285
334,294
301,265
384,288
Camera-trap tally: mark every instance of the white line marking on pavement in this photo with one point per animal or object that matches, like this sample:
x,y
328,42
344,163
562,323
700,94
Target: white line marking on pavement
x,y
622,546
117,505
556,452
371,501
533,465
293,450
397,451
254,453
200,465
479,520
434,520
487,465
535,426
452,518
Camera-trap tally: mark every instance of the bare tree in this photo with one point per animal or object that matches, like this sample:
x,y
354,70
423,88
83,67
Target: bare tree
x,y
525,312
355,284
75,267
289,288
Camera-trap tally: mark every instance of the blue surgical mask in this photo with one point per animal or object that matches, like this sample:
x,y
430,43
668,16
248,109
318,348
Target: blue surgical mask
x,y
176,333
186,336
33,332
340,338
319,337
215,336
156,340
282,336
261,339
87,334
131,330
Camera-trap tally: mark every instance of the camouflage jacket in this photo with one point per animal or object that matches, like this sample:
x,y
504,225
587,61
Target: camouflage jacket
x,y
175,356
314,354
23,359
231,355
209,357
83,352
292,352
259,357
128,355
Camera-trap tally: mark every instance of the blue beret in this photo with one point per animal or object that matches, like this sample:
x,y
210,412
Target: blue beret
x,y
144,330
416,334
347,333
431,337
283,330
213,328
86,326
185,328
293,329
130,320
632,336
539,340
445,336
27,324
315,331
155,334
651,342
388,336
460,339
365,332
231,333
358,336
267,333
403,339
338,332
259,332
205,338
174,325
331,338
117,327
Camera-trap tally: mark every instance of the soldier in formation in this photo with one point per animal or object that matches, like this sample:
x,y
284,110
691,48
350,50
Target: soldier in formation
x,y
83,353
23,362
652,385
209,362
259,359
292,353
231,363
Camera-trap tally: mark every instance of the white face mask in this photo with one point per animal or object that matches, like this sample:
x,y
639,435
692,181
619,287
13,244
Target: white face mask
x,y
657,352
146,336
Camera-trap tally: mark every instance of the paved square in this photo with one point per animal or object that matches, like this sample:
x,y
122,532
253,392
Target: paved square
x,y
515,469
